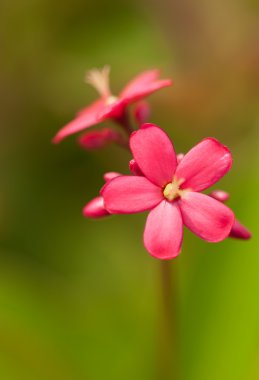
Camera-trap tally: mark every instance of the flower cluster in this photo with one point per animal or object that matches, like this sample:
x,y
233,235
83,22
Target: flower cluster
x,y
167,185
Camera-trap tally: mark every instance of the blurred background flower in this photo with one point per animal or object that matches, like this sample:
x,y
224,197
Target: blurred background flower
x,y
75,304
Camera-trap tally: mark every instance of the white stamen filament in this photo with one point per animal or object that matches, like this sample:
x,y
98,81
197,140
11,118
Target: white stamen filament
x,y
172,190
99,79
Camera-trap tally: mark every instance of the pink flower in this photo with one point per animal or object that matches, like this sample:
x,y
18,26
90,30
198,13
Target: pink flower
x,y
238,230
171,191
109,106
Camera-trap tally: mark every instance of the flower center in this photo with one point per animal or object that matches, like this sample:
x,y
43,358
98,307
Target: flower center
x,y
99,79
173,191
110,100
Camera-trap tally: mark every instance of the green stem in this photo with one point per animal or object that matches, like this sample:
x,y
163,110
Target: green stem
x,y
169,349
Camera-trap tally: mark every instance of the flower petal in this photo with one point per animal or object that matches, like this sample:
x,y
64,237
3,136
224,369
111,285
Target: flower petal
x,y
95,208
144,90
87,117
154,153
139,81
164,231
204,165
239,231
141,86
113,110
130,194
208,218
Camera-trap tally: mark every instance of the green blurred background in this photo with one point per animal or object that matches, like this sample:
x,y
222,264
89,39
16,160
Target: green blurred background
x,y
80,299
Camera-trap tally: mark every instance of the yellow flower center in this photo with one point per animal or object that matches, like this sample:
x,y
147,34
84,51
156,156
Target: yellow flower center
x,y
173,191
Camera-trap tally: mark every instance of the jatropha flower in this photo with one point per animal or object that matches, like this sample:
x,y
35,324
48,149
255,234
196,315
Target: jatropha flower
x,y
171,191
109,106
96,208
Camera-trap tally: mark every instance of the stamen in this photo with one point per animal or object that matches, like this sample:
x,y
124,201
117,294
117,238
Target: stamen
x,y
110,100
172,190
99,79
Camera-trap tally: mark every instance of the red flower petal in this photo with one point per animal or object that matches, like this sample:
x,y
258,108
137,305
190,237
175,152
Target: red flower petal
x,y
164,231
145,91
239,231
113,110
95,208
154,154
211,220
137,83
130,194
86,118
204,165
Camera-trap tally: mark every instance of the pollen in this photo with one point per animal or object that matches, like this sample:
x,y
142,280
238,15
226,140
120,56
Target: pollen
x,y
173,191
100,80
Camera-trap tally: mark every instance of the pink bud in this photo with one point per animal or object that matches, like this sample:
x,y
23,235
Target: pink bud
x,y
180,156
110,175
142,112
219,195
98,139
95,208
239,231
134,168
